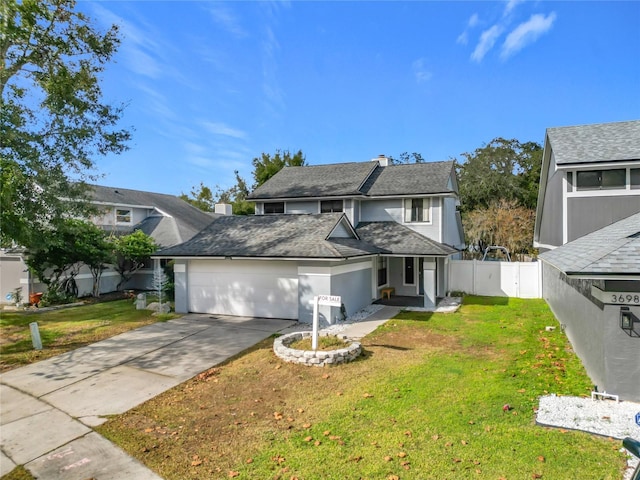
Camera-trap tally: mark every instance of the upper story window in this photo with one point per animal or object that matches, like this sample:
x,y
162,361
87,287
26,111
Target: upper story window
x,y
273,208
601,179
635,178
330,206
123,215
417,210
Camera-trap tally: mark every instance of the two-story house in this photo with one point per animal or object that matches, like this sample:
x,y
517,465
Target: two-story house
x,y
168,219
588,227
347,229
590,178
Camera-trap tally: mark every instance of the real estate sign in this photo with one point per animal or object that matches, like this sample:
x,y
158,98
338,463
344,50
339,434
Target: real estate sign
x,y
330,300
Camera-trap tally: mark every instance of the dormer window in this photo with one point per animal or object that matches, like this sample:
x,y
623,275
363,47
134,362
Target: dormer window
x,y
417,210
123,215
331,206
601,179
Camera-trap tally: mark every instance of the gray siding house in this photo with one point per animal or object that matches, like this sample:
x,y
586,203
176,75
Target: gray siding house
x,y
590,178
349,229
588,228
168,219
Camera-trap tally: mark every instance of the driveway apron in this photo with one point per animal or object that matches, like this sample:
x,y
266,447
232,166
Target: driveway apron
x,y
47,408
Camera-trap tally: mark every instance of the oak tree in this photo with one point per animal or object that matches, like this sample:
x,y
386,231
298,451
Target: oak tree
x,y
53,120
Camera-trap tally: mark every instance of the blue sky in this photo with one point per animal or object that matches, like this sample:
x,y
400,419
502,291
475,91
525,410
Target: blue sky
x,y
211,85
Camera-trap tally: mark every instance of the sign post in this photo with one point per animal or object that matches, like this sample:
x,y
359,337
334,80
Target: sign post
x,y
35,336
330,300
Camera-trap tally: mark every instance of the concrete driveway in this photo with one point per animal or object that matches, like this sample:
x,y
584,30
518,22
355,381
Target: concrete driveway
x,y
47,409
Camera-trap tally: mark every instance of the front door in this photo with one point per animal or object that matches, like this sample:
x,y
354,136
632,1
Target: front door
x,y
420,276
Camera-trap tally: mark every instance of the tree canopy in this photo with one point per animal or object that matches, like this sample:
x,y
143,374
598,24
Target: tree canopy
x,y
56,256
201,197
502,169
406,157
130,252
53,121
498,193
264,167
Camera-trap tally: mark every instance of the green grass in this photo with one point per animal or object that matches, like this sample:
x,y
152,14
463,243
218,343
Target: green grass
x,y
65,329
324,343
425,402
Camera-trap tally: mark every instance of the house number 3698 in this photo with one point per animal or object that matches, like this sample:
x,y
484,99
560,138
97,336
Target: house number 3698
x,y
625,298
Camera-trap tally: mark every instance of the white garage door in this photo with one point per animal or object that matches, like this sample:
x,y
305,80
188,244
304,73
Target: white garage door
x,y
244,288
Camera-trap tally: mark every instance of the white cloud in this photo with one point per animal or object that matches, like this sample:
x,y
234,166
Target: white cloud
x,y
217,128
421,71
511,4
142,53
487,41
463,38
527,33
199,161
227,20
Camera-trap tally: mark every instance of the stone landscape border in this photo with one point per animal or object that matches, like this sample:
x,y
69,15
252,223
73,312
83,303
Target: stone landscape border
x,y
317,358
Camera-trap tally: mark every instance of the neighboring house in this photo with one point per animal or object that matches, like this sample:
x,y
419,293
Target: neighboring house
x,y
587,226
590,178
350,229
592,284
167,218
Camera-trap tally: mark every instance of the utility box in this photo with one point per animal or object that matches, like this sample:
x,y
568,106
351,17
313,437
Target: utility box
x,y
141,301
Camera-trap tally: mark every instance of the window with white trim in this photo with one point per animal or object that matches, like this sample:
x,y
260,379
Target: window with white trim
x,y
123,215
601,179
417,210
635,178
271,208
330,206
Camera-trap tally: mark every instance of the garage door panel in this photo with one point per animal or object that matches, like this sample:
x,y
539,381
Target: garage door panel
x,y
244,288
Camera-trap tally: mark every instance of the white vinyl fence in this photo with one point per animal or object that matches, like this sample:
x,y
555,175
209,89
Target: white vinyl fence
x,y
496,279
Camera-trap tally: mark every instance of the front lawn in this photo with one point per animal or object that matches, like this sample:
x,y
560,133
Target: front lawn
x,y
65,329
427,401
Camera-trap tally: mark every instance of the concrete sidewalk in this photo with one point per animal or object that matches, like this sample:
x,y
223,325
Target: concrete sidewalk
x,y
358,330
47,408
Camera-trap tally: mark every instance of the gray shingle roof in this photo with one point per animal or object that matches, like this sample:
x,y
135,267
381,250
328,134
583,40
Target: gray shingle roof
x,y
333,180
410,179
184,222
302,236
394,238
282,236
359,179
611,250
602,142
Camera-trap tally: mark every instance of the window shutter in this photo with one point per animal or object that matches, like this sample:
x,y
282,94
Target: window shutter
x,y
407,210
